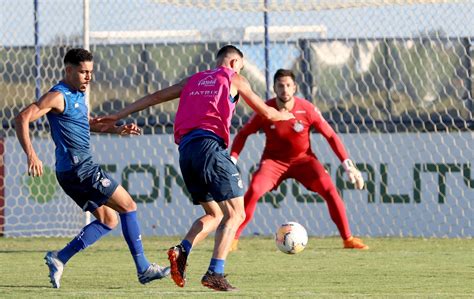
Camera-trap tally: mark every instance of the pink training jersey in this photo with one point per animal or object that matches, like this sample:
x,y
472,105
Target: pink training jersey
x,y
206,103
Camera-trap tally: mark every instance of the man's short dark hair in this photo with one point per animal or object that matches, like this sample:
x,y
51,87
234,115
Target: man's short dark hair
x,y
229,49
77,55
283,73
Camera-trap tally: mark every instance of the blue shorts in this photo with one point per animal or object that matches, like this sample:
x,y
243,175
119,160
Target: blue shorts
x,y
208,171
88,185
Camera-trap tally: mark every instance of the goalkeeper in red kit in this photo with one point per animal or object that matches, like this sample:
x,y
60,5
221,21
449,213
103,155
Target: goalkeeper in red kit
x,y
288,154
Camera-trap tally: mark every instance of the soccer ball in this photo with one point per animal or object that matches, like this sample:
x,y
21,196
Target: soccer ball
x,y
291,238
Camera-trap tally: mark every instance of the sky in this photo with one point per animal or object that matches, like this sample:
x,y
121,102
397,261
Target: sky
x,y
63,19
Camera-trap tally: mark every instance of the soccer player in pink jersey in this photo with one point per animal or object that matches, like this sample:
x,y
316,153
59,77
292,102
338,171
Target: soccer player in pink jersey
x,y
201,130
288,154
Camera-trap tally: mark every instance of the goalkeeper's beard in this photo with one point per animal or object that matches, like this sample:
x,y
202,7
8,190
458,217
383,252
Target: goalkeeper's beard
x,y
285,99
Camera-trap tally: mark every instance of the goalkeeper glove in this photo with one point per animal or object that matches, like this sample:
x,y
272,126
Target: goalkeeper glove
x,y
353,174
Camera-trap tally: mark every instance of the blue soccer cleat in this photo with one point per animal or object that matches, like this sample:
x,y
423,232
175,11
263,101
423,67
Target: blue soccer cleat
x,y
56,268
153,272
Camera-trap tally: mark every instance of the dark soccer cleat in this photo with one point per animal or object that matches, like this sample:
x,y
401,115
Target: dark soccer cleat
x,y
178,257
217,282
56,268
153,272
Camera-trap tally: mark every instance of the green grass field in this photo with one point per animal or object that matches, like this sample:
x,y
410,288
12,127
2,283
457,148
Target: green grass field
x,y
392,268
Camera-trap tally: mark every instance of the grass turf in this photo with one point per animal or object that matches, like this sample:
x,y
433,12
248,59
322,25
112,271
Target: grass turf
x,y
392,268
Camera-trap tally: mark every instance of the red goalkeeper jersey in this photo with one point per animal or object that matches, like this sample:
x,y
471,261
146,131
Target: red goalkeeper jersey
x,y
289,140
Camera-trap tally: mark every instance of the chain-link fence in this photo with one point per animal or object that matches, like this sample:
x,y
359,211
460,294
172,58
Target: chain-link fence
x,y
394,78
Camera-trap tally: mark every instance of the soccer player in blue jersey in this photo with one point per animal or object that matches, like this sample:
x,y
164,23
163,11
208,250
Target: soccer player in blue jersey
x,y
79,176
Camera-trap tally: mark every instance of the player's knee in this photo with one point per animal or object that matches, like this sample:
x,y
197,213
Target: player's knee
x,y
131,206
241,217
121,201
127,205
111,221
330,194
106,216
217,216
236,217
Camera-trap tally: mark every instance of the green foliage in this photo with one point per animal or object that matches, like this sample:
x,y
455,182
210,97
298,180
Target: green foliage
x,y
392,268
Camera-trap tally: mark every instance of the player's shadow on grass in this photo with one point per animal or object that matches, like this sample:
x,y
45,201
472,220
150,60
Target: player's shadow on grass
x,y
23,251
23,286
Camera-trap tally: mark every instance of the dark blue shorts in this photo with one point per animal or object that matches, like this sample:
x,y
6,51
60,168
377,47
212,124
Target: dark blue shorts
x,y
88,185
208,171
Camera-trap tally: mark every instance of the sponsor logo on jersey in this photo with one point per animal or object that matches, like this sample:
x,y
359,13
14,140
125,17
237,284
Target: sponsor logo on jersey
x,y
206,93
76,105
208,81
300,112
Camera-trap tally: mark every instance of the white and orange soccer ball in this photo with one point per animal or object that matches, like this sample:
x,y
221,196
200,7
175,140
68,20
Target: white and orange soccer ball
x,y
291,238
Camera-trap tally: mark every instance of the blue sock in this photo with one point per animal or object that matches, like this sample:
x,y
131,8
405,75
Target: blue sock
x,y
187,246
131,233
217,266
88,236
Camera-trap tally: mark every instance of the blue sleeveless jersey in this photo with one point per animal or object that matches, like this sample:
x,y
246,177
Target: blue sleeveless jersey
x,y
70,130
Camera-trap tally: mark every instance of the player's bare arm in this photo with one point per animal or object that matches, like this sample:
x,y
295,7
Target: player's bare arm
x,y
126,129
51,101
107,123
158,97
256,103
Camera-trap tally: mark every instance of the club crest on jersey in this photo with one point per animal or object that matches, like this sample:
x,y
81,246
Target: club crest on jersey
x,y
298,126
105,182
208,81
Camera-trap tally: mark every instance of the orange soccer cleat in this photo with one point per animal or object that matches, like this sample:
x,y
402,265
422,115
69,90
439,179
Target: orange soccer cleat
x,y
178,257
355,243
235,245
